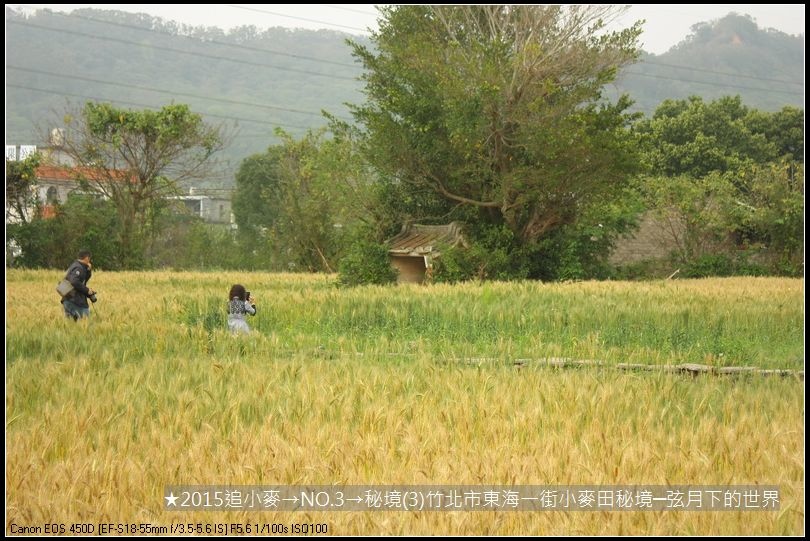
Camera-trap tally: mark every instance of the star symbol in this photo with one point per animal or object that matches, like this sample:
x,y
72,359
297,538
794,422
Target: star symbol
x,y
171,499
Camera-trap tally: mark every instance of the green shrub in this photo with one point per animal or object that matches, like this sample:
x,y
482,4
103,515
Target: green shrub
x,y
709,265
722,265
366,263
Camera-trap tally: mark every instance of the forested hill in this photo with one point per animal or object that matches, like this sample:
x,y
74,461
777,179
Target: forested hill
x,y
257,80
251,80
729,56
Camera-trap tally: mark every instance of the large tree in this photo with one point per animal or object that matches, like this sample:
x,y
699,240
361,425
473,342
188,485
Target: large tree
x,y
256,202
303,197
137,159
496,110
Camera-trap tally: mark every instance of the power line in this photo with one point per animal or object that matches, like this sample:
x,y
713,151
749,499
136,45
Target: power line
x,y
149,106
62,93
199,41
250,104
296,18
721,85
335,6
722,73
313,59
252,135
180,51
255,49
162,91
343,64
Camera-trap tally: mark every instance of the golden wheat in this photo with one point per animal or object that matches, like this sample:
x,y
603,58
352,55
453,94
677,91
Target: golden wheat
x,y
152,391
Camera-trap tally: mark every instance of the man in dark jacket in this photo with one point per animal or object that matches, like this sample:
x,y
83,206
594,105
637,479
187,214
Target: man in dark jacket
x,y
75,302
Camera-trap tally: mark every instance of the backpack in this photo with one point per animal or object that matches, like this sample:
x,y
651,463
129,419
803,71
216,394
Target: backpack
x,y
64,288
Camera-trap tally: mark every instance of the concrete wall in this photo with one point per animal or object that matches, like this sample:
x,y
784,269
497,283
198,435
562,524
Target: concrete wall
x,y
60,188
411,269
656,238
216,210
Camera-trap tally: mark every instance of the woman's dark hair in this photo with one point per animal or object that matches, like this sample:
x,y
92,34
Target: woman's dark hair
x,y
238,291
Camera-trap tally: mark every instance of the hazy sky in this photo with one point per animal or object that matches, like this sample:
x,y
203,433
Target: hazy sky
x,y
667,24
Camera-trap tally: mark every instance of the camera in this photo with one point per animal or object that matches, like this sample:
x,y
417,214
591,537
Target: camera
x,y
93,297
247,295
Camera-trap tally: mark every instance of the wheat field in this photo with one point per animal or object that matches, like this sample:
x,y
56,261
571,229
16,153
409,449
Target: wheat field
x,y
368,386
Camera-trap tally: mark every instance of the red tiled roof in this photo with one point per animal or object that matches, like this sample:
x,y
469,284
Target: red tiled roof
x,y
72,174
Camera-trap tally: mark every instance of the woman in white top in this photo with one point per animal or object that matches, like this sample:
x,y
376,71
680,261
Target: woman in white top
x,y
241,302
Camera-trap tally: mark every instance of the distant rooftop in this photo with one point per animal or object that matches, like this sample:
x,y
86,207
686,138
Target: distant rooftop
x,y
72,174
419,239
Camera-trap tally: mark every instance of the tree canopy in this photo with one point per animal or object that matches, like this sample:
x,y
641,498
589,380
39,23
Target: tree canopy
x,y
496,110
732,179
137,159
300,200
694,137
